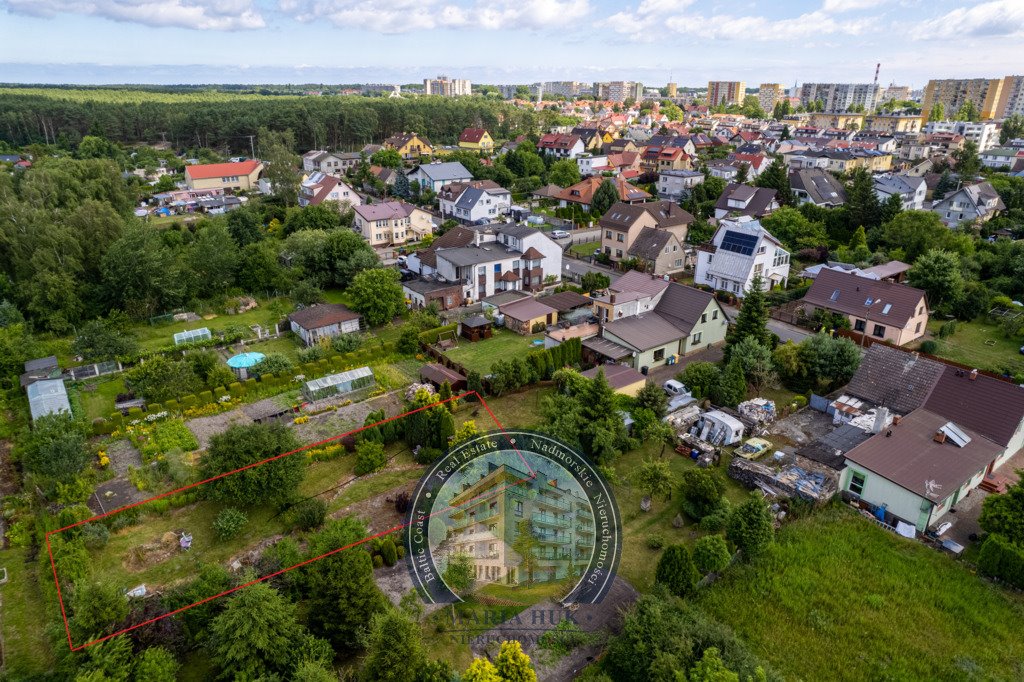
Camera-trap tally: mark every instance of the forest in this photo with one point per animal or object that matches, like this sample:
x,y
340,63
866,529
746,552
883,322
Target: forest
x,y
219,119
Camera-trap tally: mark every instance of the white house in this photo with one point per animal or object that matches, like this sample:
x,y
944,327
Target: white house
x,y
487,259
978,202
319,187
323,321
435,175
677,184
472,202
741,250
911,189
561,146
985,134
588,163
1000,157
331,163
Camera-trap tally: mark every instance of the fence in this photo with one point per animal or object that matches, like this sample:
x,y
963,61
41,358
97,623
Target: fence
x,y
790,313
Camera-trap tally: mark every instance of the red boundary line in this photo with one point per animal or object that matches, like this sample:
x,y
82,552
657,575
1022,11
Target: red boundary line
x,y
53,564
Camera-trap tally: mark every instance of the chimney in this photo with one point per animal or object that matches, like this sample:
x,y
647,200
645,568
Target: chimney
x,y
939,437
974,375
896,419
881,420
612,298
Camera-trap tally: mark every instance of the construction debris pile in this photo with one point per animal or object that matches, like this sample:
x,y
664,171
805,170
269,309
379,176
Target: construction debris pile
x,y
757,411
801,479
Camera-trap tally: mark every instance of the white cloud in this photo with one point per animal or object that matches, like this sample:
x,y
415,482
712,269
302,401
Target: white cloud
x,y
216,15
403,16
849,5
999,18
650,19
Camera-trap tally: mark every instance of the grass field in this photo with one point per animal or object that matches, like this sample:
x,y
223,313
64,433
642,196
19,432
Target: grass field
x,y
637,560
979,344
584,249
504,345
100,402
268,312
838,598
26,646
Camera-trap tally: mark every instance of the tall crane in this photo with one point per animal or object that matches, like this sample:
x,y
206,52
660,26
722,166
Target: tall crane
x,y
878,67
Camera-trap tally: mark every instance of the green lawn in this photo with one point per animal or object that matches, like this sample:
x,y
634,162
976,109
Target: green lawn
x,y
838,598
504,345
585,249
979,344
100,402
23,621
637,561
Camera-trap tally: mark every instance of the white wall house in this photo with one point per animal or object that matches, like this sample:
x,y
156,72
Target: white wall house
x,y
985,134
588,162
677,184
475,204
435,175
912,190
741,250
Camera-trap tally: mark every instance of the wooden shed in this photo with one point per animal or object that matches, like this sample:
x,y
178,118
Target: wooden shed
x,y
437,374
476,328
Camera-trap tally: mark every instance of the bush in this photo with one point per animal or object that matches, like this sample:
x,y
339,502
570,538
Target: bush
x,y
402,501
1002,559
711,554
427,455
370,457
389,552
716,522
229,523
205,397
676,571
188,401
346,343
947,329
751,526
378,561
929,347
800,401
95,535
235,389
655,541
702,492
309,514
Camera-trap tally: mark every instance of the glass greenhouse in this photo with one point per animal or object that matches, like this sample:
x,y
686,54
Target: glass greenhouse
x,y
338,384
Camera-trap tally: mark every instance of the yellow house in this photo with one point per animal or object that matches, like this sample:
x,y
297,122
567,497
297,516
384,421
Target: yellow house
x,y
235,176
477,140
894,123
841,121
409,145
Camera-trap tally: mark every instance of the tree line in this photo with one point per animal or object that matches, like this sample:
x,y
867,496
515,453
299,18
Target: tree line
x,y
225,120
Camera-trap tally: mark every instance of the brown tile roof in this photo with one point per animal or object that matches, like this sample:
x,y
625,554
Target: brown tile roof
x,y
473,135
912,459
760,199
987,405
401,139
621,216
526,309
890,303
438,374
454,238
557,141
583,192
532,254
322,315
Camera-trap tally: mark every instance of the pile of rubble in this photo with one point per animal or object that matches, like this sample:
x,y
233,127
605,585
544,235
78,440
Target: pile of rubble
x,y
801,478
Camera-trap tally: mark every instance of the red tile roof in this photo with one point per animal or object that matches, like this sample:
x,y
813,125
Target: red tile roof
x,y
221,170
473,135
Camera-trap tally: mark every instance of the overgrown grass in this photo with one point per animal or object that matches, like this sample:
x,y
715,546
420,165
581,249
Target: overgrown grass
x,y
636,563
838,598
585,248
100,402
504,345
979,344
152,337
26,650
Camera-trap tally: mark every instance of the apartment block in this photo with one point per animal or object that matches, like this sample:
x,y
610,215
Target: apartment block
x,y
490,513
1011,98
953,93
567,89
447,87
982,133
726,92
619,91
840,96
768,94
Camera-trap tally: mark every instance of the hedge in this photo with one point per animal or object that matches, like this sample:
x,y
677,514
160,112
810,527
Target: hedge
x,y
431,336
235,389
206,397
1002,559
189,401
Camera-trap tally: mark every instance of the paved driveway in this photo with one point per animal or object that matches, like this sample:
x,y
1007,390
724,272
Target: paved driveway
x,y
784,330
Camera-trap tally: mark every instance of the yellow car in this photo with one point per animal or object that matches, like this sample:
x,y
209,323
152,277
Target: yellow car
x,y
753,448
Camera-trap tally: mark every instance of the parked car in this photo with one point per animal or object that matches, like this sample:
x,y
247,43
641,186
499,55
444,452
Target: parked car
x,y
401,260
559,234
674,388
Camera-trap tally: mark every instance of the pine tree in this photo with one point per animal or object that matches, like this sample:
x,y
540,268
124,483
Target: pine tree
x,y
752,319
256,634
776,177
862,207
394,648
653,398
676,571
750,526
944,185
732,389
604,197
892,207
345,597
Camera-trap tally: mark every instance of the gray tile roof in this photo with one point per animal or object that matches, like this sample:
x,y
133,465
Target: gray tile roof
x,y
649,243
894,378
444,172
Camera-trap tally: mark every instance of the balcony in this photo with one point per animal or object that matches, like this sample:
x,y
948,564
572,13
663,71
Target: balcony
x,y
551,503
549,539
580,528
583,513
549,520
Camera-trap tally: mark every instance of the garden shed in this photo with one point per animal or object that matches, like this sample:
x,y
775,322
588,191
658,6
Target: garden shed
x,y
338,384
438,374
476,328
192,335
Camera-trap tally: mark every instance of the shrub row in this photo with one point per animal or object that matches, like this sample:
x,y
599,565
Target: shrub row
x,y
1002,559
431,336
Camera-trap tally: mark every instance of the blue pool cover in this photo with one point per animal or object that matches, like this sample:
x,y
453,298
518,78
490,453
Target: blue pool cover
x,y
245,360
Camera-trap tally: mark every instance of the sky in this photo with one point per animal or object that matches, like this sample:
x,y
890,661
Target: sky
x,y
507,41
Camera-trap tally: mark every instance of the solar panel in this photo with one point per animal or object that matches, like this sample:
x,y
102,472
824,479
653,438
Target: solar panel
x,y
956,435
740,243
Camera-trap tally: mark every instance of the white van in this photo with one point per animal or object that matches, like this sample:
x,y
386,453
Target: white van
x,y
674,388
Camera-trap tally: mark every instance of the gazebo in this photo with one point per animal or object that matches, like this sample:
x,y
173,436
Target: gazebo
x,y
476,328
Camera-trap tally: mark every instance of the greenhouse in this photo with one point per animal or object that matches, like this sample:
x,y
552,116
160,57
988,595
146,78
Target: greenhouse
x,y
47,397
338,384
192,335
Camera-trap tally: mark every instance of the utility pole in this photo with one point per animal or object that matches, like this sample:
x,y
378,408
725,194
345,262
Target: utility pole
x,y
252,145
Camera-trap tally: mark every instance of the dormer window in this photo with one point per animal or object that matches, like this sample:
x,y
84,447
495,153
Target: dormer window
x,y
869,301
834,296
